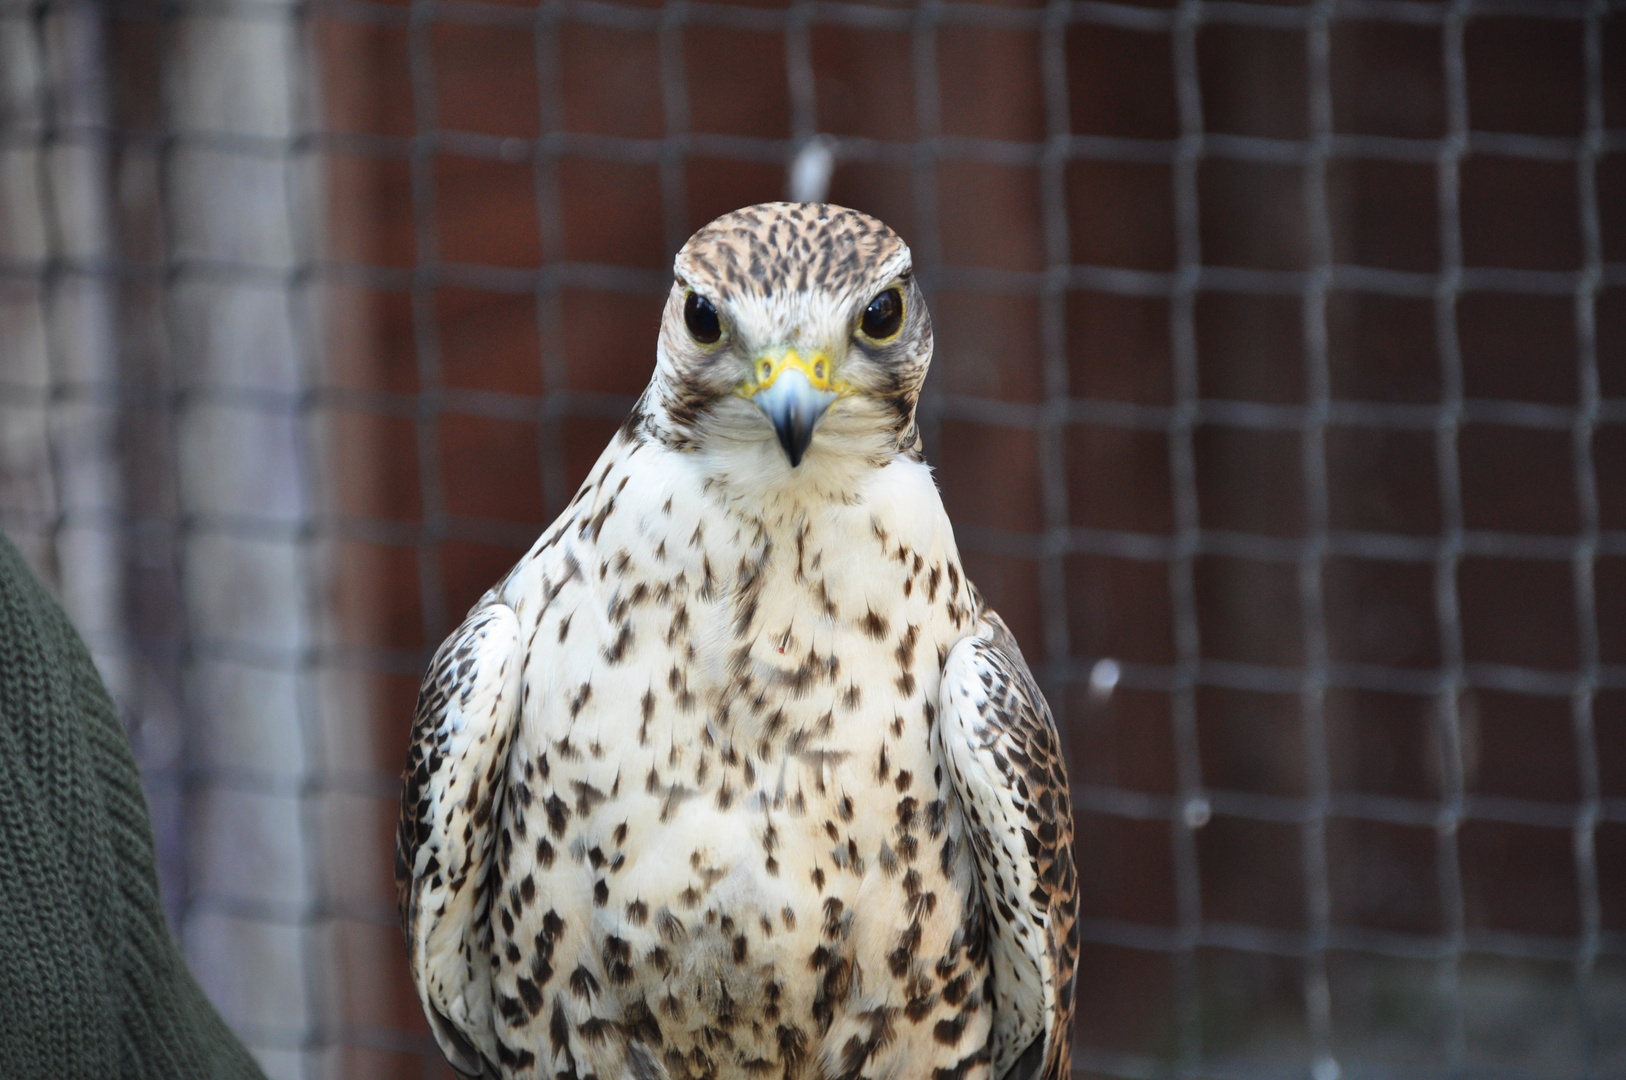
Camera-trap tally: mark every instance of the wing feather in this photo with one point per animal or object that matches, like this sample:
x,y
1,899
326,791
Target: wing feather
x,y
998,737
453,788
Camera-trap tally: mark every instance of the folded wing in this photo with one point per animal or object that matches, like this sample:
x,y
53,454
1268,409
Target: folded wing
x,y
998,738
468,707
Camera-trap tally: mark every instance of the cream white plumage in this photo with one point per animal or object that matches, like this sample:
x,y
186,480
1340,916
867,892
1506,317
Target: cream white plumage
x,y
735,774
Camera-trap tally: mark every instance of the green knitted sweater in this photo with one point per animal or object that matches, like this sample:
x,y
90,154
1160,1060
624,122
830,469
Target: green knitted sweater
x,y
91,983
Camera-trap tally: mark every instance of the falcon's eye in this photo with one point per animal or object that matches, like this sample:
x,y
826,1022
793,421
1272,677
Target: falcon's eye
x,y
884,316
701,319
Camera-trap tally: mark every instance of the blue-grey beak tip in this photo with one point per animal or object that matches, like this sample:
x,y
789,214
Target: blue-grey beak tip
x,y
795,431
793,407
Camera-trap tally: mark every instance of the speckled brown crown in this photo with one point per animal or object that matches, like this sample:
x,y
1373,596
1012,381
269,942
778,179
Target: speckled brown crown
x,y
787,246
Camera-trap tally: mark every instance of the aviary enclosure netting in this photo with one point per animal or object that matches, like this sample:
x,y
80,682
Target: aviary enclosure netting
x,y
1279,402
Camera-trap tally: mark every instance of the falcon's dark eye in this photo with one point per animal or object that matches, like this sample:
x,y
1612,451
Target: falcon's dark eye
x,y
701,319
884,316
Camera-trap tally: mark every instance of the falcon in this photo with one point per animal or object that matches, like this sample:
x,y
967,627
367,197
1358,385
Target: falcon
x,y
735,774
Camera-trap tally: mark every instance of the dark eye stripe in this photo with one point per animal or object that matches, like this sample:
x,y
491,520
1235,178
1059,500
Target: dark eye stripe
x,y
884,316
701,319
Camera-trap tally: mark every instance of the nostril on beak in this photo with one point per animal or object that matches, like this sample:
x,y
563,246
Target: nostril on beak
x,y
794,407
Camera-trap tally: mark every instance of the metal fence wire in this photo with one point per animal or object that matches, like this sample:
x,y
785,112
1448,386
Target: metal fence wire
x,y
1279,401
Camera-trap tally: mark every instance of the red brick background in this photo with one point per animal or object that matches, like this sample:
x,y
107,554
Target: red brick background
x,y
1280,360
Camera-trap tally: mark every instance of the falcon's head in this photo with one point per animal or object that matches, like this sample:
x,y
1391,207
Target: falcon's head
x,y
793,344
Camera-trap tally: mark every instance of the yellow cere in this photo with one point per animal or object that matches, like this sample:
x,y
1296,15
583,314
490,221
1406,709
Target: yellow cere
x,y
767,368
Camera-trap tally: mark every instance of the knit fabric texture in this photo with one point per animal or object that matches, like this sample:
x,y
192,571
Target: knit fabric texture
x,y
91,982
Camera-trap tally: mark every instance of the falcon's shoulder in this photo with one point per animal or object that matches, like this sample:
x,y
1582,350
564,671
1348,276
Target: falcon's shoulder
x,y
1005,759
453,785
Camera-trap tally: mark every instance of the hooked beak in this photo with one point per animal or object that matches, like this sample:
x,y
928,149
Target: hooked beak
x,y
793,394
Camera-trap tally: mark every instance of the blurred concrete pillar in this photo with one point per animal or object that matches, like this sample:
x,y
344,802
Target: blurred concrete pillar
x,y
65,456
59,486
163,465
239,216
28,496
61,476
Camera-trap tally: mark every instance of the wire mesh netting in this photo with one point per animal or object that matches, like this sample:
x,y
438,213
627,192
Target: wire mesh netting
x,y
1279,403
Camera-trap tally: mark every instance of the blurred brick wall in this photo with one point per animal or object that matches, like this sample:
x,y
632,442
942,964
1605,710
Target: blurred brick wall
x,y
1280,360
